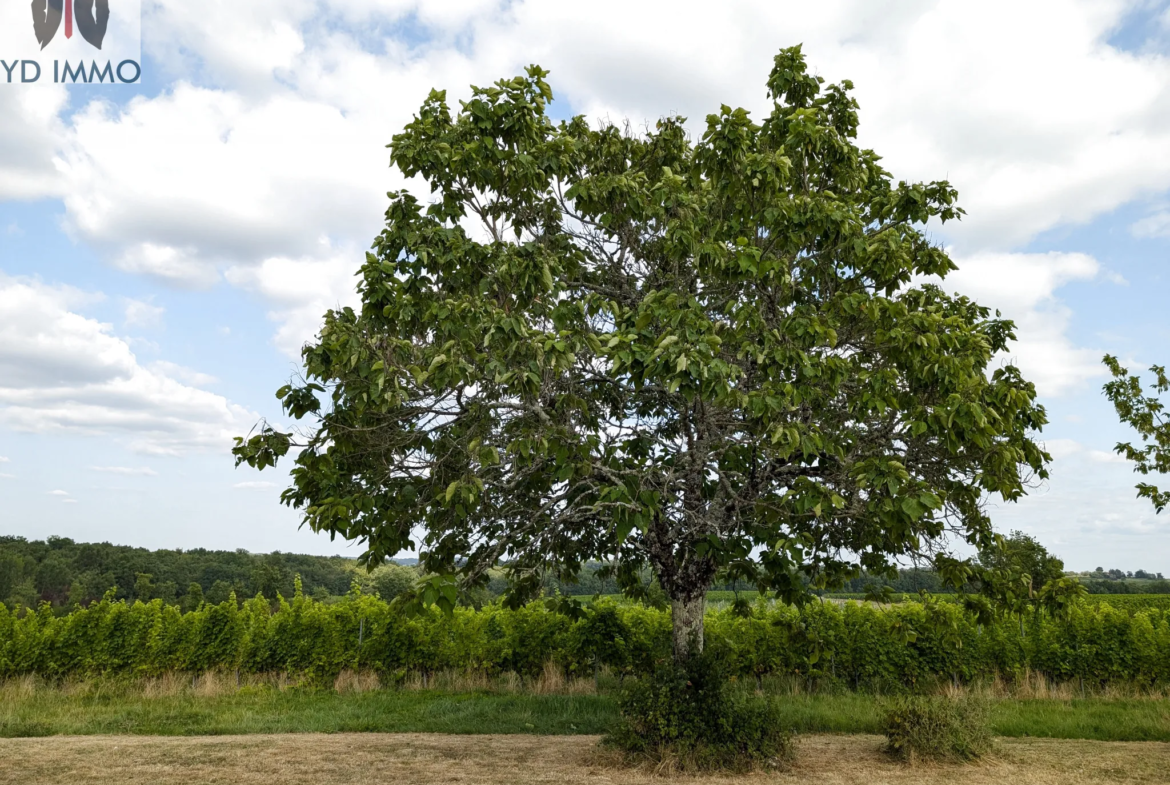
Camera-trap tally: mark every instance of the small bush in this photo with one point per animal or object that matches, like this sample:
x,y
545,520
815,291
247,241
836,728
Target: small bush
x,y
688,718
938,728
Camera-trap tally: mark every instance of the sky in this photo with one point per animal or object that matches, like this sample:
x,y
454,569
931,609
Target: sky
x,y
166,247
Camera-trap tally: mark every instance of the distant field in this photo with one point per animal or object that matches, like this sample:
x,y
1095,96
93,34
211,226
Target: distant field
x,y
712,596
718,597
1130,602
364,759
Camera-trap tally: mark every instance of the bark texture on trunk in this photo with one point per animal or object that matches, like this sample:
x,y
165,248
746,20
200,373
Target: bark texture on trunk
x,y
687,624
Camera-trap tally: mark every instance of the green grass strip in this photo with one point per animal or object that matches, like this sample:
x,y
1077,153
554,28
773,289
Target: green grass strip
x,y
47,712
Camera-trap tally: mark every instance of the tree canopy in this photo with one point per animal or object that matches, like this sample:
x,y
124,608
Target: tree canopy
x,y
1018,573
1023,554
1146,414
712,356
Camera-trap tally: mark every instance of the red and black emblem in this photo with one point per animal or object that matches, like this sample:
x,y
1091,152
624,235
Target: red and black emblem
x,y
92,16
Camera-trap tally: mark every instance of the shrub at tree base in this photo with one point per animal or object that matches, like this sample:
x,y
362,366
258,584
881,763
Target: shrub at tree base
x,y
685,716
938,728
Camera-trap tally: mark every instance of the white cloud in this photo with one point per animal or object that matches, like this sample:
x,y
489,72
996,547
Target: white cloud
x,y
1089,513
3,459
254,485
302,290
1062,448
61,372
69,501
1022,287
1153,225
183,373
33,130
245,44
58,493
282,165
255,179
1101,456
138,313
178,266
947,89
142,471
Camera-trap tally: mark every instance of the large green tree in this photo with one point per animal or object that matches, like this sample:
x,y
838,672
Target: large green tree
x,y
714,357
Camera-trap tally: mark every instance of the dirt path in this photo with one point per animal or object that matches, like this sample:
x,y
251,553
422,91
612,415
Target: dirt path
x,y
402,759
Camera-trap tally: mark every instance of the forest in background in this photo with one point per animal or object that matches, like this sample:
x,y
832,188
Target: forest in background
x,y
69,574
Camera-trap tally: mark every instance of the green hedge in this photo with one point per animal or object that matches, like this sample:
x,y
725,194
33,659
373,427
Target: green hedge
x,y
859,646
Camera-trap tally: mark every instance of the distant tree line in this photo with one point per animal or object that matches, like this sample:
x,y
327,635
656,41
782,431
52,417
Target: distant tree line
x,y
1153,585
1115,581
1120,575
68,575
1020,558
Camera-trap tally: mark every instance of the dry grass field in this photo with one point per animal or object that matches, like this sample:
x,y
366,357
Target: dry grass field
x,y
364,759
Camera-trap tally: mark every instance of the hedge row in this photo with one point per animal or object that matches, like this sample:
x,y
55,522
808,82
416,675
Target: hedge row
x,y
854,645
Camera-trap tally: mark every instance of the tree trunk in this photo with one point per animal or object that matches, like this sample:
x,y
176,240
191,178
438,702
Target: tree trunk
x,y
687,623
